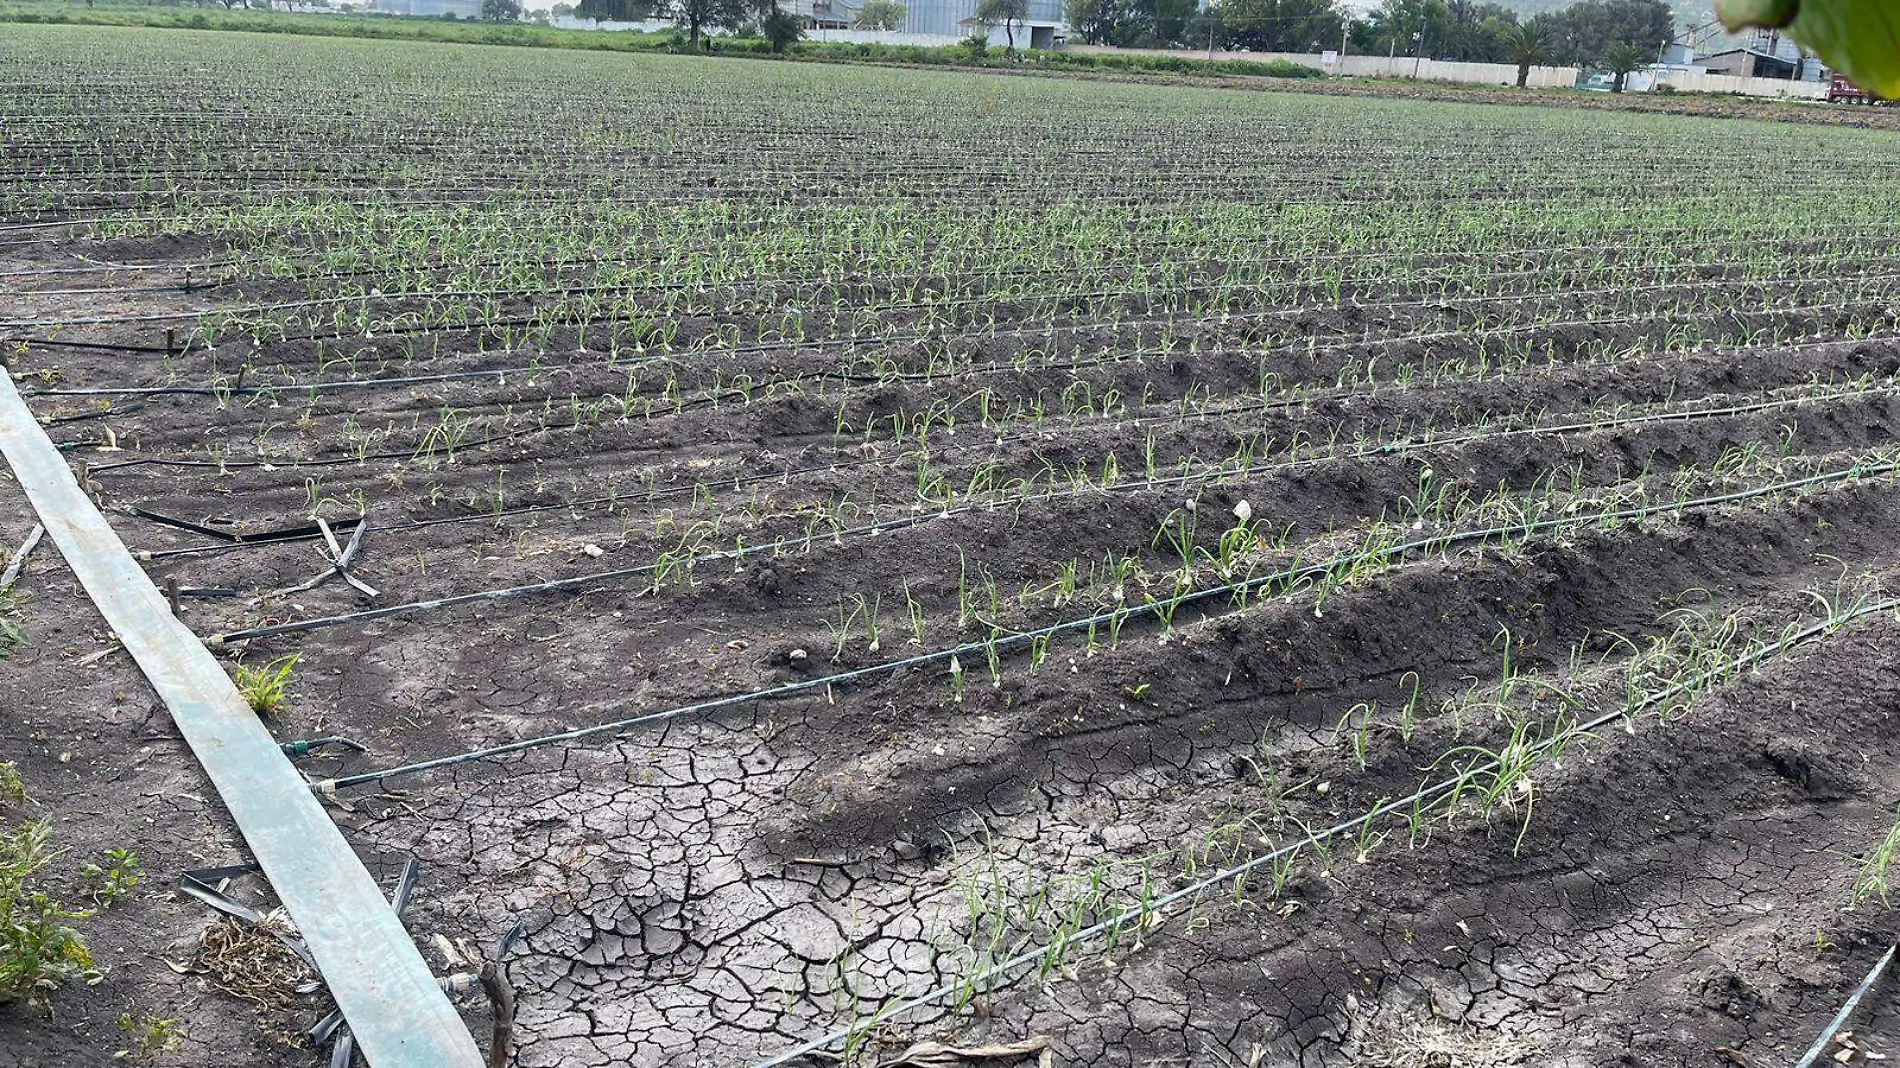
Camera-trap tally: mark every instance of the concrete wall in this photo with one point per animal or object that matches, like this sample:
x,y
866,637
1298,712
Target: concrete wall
x,y
891,37
467,9
1372,66
884,37
1722,83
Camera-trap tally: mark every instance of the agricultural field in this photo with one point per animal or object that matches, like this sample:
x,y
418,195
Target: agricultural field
x,y
849,558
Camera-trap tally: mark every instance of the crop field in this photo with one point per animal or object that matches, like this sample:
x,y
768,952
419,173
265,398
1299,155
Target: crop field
x,y
1111,574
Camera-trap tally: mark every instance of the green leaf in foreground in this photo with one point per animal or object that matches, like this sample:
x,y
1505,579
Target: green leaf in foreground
x,y
1859,38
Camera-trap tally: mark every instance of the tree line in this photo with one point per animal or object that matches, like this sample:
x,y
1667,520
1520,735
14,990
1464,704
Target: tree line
x,y
1591,33
1617,35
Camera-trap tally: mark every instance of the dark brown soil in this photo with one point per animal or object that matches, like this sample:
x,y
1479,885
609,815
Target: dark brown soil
x,y
714,886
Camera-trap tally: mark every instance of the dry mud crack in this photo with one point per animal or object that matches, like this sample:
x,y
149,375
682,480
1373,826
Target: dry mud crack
x,y
1174,414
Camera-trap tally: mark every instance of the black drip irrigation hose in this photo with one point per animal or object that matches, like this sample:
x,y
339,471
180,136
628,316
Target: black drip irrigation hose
x,y
1288,578
1425,795
678,408
100,346
1826,1037
538,320
1181,287
1395,448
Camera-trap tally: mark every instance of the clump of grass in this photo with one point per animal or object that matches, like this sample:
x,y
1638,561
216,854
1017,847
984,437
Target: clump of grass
x,y
1877,867
267,689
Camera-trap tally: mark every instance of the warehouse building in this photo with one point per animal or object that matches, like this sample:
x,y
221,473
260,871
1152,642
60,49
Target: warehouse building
x,y
946,19
461,9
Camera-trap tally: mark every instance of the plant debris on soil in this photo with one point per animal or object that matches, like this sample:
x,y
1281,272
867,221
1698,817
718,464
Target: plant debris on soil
x,y
891,567
250,961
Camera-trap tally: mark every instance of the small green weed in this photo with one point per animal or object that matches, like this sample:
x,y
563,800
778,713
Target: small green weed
x,y
267,689
151,1036
39,951
116,878
1877,867
12,634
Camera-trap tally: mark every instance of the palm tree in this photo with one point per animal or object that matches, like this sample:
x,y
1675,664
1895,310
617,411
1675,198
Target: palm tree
x,y
1525,46
1620,60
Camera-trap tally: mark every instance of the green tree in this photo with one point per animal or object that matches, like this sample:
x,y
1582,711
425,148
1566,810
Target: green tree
x,y
1103,22
1282,25
613,10
700,15
1526,47
1584,32
1004,13
881,15
781,28
1170,22
1404,27
501,10
1474,33
1620,60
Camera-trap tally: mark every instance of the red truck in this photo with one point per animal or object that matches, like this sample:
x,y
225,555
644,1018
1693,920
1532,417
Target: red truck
x,y
1842,91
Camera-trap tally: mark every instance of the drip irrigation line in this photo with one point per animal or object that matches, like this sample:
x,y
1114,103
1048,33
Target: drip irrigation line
x,y
96,267
100,346
996,367
1424,795
1294,273
329,461
307,267
1289,578
537,320
1137,421
1816,1051
1167,289
715,398
1215,473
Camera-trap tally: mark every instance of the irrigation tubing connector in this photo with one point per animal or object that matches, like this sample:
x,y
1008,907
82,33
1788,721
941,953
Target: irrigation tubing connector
x,y
1286,577
1141,912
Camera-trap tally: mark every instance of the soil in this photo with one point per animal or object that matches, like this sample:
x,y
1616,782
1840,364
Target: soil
x,y
716,886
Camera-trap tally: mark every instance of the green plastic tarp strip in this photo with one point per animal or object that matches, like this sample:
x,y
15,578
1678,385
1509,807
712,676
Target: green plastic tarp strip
x,y
400,1017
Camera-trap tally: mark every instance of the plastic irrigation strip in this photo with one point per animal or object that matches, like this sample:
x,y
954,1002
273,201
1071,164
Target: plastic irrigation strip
x,y
1140,913
368,961
1209,473
1819,1049
1001,641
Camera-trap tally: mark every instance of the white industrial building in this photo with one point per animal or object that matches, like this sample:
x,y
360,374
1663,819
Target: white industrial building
x,y
461,9
939,19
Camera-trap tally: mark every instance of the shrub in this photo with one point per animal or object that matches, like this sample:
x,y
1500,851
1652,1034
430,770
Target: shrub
x,y
39,950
